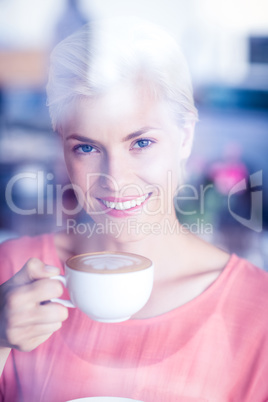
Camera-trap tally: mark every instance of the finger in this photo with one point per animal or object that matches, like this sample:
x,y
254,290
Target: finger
x,y
34,269
27,296
39,315
45,289
51,313
32,336
31,344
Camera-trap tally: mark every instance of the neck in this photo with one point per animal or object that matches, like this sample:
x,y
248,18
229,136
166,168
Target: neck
x,y
166,245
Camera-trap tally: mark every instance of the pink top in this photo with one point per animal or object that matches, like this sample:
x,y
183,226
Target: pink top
x,y
214,348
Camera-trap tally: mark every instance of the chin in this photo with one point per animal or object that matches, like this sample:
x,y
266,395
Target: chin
x,y
123,230
125,238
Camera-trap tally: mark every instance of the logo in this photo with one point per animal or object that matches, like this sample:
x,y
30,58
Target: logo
x,y
256,201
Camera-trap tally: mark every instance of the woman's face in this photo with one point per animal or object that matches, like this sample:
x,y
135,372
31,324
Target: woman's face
x,y
123,151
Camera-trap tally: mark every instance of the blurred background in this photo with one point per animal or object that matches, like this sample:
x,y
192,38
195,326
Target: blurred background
x,y
226,45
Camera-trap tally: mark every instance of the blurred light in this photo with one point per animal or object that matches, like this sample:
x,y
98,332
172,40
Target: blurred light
x,y
28,23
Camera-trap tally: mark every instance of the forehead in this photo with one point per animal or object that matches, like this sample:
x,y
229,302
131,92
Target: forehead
x,y
126,106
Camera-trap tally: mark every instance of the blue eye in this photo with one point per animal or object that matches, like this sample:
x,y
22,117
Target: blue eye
x,y
84,149
142,144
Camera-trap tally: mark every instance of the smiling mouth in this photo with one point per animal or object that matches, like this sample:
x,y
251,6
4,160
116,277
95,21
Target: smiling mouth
x,y
125,205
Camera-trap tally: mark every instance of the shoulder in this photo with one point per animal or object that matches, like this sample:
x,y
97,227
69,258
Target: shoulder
x,y
239,277
247,276
244,292
16,252
242,313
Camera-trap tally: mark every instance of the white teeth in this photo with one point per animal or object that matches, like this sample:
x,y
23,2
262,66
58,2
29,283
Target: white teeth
x,y
118,205
126,204
121,206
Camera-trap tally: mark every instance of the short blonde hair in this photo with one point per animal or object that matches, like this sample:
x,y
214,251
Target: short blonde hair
x,y
109,51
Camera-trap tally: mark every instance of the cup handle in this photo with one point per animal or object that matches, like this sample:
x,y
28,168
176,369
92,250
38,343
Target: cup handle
x,y
66,303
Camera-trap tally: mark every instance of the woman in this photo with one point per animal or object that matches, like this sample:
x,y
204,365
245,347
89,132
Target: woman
x,y
120,98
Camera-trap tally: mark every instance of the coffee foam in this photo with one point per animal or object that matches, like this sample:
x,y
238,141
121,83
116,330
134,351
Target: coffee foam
x,y
106,262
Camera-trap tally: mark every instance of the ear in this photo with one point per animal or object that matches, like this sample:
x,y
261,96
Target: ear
x,y
187,141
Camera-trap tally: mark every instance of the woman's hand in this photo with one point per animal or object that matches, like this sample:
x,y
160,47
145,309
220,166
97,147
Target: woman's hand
x,y
26,320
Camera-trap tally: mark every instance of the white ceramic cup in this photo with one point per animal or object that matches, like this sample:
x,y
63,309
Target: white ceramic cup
x,y
104,399
107,286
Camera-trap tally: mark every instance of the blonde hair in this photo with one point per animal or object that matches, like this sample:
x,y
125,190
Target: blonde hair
x,y
109,51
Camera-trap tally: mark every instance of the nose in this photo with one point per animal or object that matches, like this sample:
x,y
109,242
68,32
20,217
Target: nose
x,y
115,172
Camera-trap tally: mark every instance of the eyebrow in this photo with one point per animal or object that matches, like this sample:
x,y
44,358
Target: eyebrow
x,y
129,137
80,138
137,133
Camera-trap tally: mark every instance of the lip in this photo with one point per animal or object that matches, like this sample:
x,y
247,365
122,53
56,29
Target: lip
x,y
118,213
122,199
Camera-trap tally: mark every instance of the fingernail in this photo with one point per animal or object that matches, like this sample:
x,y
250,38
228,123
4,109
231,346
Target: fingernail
x,y
52,270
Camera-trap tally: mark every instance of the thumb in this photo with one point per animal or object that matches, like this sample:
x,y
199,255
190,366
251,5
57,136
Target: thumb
x,y
33,269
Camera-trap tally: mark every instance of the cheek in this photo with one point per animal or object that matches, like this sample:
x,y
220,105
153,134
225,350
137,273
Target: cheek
x,y
72,169
166,162
78,168
77,173
162,176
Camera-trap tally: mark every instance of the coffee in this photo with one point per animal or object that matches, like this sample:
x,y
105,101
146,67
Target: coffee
x,y
102,296
108,262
